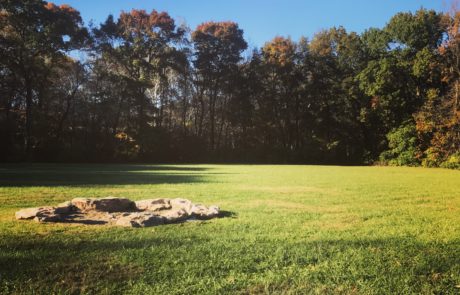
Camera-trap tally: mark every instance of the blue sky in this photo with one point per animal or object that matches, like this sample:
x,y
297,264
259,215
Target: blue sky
x,y
261,20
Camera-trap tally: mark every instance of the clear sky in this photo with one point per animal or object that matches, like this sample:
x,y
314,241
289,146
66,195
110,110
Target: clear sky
x,y
261,20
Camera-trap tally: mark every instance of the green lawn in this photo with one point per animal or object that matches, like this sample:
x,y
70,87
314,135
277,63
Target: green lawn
x,y
284,230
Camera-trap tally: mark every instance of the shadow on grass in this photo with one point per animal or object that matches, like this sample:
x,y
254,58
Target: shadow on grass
x,y
79,218
227,214
80,175
46,261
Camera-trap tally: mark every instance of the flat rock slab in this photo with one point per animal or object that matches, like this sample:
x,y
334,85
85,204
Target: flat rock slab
x,y
120,211
153,204
108,204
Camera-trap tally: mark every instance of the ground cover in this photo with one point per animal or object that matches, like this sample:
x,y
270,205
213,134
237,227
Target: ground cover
x,y
284,229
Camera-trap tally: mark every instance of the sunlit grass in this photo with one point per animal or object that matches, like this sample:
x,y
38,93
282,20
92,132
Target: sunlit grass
x,y
288,229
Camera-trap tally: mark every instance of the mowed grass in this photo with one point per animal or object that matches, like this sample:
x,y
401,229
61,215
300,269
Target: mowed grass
x,y
284,230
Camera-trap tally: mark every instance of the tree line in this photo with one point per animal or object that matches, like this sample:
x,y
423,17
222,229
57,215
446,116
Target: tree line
x,y
148,89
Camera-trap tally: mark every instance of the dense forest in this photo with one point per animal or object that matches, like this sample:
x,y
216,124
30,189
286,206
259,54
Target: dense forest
x,y
144,88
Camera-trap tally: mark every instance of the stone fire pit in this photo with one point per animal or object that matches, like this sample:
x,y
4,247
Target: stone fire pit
x,y
120,212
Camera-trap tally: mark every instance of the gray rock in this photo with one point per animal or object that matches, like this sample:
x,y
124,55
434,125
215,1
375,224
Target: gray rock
x,y
64,208
153,204
51,217
202,212
120,211
83,204
109,204
31,213
139,219
40,214
180,203
177,215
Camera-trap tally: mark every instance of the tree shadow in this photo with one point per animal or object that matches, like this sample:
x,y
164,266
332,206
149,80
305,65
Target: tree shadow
x,y
104,167
29,258
81,175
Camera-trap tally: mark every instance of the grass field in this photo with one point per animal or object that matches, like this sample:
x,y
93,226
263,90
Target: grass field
x,y
285,230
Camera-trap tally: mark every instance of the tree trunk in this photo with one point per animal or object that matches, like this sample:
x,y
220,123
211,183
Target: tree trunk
x,y
28,130
212,106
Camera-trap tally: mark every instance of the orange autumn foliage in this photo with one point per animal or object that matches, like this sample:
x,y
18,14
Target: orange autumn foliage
x,y
280,51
